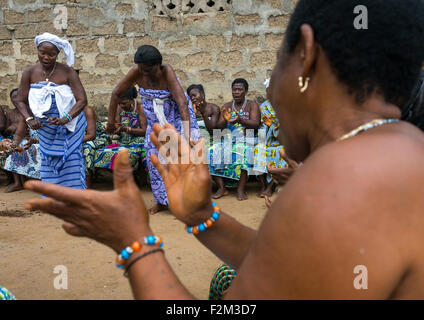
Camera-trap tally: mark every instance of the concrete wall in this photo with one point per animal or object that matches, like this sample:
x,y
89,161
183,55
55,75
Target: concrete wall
x,y
208,42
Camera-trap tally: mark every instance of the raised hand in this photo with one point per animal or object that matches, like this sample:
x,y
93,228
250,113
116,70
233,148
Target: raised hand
x,y
115,218
267,120
226,113
186,175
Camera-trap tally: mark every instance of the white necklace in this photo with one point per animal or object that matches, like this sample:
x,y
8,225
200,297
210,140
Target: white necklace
x,y
242,108
48,76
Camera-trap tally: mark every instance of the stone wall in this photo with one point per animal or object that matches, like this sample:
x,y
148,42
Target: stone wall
x,y
208,42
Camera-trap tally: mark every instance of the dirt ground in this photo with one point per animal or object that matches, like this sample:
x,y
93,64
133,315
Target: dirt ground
x,y
33,244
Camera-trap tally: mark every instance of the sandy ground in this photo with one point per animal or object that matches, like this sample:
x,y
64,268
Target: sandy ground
x,y
33,244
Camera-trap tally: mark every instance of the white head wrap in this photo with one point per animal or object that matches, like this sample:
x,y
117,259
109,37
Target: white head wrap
x,y
59,44
267,82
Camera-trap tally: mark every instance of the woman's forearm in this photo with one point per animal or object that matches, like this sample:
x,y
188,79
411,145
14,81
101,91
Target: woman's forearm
x,y
250,124
113,105
137,132
77,108
24,109
185,118
88,137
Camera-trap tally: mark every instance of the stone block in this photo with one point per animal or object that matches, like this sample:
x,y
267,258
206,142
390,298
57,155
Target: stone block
x,y
28,48
117,44
280,22
92,12
182,44
222,20
274,3
201,60
195,20
49,27
39,15
4,67
77,29
26,31
207,76
133,25
6,49
106,61
244,74
211,42
175,61
274,41
230,59
164,24
140,41
247,19
87,46
9,81
124,8
247,41
110,28
263,59
5,34
13,17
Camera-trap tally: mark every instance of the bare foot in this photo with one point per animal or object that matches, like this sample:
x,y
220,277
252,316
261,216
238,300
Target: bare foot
x,y
220,193
267,193
241,195
268,202
157,208
261,193
14,188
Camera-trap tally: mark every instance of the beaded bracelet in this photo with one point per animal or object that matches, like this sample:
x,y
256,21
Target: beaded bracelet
x,y
68,116
205,225
136,246
148,253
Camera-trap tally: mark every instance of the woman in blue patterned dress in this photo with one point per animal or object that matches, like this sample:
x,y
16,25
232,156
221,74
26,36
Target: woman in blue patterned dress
x,y
51,98
164,101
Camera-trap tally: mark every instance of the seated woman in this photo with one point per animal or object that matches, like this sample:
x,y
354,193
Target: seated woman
x,y
23,156
208,112
94,139
130,127
267,151
237,116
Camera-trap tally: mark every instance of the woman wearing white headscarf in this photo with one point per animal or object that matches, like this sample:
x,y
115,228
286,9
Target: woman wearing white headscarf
x,y
51,98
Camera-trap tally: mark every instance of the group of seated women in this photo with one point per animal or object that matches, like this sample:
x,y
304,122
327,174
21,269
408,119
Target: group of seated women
x,y
234,153
243,139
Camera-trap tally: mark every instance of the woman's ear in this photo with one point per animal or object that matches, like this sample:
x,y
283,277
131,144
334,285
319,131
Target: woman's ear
x,y
308,50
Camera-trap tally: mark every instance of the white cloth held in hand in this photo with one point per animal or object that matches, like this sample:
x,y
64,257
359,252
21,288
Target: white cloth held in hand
x,y
40,101
158,109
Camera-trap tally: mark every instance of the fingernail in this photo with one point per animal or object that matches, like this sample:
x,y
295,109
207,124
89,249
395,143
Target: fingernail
x,y
28,207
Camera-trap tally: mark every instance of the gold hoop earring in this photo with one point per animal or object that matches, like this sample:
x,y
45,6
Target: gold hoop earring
x,y
303,86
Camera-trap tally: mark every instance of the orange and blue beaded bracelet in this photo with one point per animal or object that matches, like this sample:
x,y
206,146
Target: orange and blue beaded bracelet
x,y
208,223
136,246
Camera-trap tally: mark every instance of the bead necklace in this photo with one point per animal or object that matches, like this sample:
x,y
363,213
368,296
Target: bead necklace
x,y
241,111
367,126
